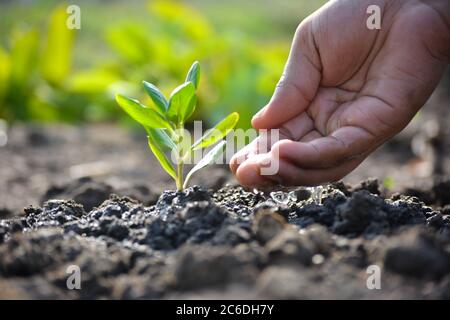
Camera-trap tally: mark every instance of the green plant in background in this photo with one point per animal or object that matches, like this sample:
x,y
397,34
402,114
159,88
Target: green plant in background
x,y
164,123
51,73
181,33
36,73
245,71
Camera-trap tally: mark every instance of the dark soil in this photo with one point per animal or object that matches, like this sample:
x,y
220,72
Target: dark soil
x,y
227,243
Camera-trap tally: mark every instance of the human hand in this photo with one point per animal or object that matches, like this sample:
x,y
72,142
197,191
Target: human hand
x,y
347,89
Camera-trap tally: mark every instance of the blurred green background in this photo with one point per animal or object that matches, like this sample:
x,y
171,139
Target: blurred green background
x,y
49,73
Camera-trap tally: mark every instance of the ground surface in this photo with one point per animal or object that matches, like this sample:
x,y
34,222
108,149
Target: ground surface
x,y
217,242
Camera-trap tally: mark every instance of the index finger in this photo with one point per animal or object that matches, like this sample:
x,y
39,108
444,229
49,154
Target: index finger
x,y
342,145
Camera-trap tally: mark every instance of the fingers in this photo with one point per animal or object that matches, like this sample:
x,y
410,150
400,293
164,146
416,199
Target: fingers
x,y
309,162
249,174
325,152
242,155
312,153
292,175
262,144
298,84
312,135
297,127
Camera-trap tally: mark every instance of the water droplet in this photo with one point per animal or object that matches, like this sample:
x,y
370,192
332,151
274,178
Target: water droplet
x,y
316,194
292,196
280,197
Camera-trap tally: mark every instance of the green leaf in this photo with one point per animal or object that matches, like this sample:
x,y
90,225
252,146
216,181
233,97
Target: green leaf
x,y
182,102
190,109
57,54
5,64
219,131
132,42
93,81
157,97
157,150
24,51
209,158
162,138
193,74
145,116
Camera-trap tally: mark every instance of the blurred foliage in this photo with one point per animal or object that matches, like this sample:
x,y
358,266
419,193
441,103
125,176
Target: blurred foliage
x,y
41,78
34,72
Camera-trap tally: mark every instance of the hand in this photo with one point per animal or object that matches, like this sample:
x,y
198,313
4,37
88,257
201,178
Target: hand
x,y
347,89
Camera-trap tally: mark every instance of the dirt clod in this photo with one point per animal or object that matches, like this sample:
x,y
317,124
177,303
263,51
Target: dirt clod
x,y
419,254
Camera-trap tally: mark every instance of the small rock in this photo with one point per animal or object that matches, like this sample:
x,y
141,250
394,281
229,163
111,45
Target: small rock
x,y
317,238
418,254
282,282
370,185
287,247
267,224
200,267
441,190
85,191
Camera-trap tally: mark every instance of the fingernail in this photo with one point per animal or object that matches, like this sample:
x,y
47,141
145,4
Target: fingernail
x,y
263,159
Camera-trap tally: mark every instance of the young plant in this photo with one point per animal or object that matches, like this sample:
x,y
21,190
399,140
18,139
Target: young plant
x,y
164,123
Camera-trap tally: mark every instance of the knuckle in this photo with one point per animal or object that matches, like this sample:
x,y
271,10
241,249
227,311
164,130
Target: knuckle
x,y
303,30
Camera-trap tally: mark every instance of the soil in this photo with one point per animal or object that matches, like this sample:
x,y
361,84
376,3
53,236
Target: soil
x,y
95,198
205,243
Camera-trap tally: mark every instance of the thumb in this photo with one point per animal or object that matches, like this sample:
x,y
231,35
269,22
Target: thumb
x,y
298,84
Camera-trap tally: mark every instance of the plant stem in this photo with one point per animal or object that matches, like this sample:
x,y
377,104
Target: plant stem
x,y
180,175
180,164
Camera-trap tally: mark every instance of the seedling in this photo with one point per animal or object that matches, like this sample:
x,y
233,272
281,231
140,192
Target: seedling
x,y
164,122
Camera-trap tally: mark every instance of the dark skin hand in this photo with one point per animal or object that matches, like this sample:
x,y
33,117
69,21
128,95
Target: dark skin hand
x,y
347,89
